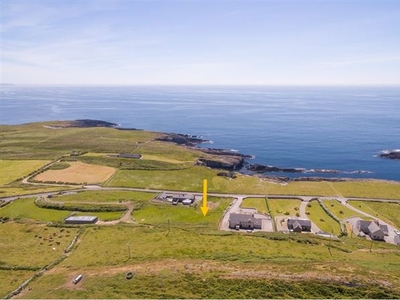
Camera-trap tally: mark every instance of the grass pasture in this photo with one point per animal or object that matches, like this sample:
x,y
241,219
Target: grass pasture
x,y
258,203
341,211
176,282
387,212
11,170
245,184
22,209
77,172
155,243
11,279
190,179
280,207
163,259
320,218
31,245
104,196
368,189
180,215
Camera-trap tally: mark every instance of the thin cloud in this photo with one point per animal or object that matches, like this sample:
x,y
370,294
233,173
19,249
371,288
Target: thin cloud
x,y
359,60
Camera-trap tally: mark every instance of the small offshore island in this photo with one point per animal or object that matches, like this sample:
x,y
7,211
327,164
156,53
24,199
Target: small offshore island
x,y
89,209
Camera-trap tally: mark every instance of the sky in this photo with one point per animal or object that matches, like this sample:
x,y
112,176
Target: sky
x,y
137,42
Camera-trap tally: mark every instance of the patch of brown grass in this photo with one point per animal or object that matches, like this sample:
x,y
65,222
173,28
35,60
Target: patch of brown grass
x,y
78,172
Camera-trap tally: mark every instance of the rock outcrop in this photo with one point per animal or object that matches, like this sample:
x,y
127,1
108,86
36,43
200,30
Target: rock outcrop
x,y
259,168
91,123
391,154
222,162
182,139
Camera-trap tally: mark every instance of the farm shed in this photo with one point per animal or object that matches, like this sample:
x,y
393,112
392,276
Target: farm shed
x,y
81,220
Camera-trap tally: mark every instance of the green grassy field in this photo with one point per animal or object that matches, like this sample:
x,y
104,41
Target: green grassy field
x,y
188,180
244,184
154,213
104,196
280,207
368,189
341,211
26,209
32,245
257,203
152,243
38,138
322,219
387,212
167,256
11,170
205,285
10,279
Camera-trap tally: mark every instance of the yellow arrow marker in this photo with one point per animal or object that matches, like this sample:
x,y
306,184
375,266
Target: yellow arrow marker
x,y
204,207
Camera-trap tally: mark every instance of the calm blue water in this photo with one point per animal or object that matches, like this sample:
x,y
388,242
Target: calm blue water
x,y
326,128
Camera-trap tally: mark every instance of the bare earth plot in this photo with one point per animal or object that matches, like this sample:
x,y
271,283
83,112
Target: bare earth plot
x,y
78,172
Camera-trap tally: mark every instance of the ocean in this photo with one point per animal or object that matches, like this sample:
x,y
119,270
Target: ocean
x,y
335,128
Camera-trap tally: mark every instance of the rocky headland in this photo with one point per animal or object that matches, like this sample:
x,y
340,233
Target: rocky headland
x,y
182,139
83,123
214,158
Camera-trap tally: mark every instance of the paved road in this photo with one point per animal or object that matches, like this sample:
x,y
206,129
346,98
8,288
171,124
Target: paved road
x,y
224,224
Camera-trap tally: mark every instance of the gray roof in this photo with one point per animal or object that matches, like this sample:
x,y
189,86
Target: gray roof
x,y
240,218
363,225
373,227
384,228
301,222
130,155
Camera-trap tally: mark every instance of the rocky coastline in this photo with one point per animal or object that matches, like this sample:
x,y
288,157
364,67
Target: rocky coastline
x,y
260,168
234,161
390,154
